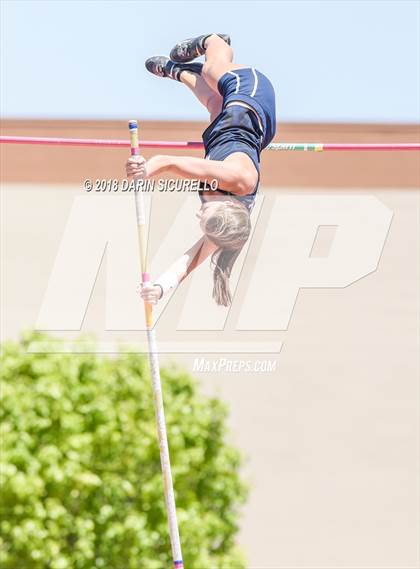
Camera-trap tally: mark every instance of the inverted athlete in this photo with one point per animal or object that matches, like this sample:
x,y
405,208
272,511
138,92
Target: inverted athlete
x,y
241,103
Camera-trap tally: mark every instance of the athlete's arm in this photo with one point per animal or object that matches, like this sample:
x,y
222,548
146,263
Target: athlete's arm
x,y
179,270
198,253
235,174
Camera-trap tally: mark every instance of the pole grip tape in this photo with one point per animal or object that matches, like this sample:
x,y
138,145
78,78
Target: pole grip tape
x,y
134,137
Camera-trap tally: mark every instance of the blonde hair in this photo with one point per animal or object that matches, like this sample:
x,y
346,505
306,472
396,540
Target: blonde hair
x,y
229,228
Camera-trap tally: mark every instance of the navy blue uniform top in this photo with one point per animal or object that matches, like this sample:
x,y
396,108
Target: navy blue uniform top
x,y
236,128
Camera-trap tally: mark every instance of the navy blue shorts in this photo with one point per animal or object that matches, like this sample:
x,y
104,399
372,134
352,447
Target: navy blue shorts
x,y
236,128
255,89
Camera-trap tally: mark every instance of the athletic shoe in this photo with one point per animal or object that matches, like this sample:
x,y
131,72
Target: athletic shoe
x,y
189,49
163,67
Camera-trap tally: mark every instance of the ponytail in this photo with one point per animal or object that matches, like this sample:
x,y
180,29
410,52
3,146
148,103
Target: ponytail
x,y
222,262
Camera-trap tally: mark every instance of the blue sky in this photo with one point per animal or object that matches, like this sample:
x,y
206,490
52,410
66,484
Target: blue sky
x,y
329,60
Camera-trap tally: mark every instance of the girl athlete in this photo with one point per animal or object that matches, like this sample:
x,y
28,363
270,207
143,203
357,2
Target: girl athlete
x,y
241,103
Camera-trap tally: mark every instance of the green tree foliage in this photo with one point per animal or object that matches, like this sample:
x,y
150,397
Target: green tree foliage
x,y
81,483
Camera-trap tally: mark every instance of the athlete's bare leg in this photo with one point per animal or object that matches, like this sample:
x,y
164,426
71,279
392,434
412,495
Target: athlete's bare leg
x,y
219,60
211,99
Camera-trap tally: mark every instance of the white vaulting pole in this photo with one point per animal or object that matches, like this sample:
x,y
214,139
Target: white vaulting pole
x,y
154,368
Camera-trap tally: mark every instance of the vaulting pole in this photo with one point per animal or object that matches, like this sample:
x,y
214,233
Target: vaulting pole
x,y
154,368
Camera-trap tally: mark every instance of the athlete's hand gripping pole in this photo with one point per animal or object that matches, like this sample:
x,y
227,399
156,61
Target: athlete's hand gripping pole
x,y
154,367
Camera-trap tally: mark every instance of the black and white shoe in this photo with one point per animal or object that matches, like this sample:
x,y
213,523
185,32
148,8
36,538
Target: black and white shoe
x,y
189,49
162,66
